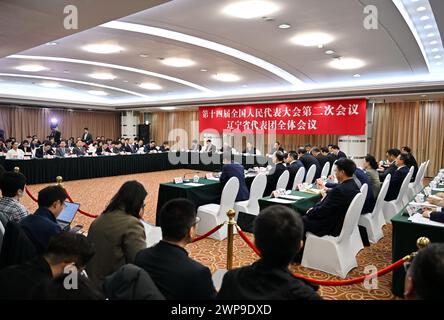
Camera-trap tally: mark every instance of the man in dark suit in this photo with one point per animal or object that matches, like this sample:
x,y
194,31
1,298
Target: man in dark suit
x,y
128,146
274,174
209,147
331,158
19,282
177,276
308,160
412,161
250,149
278,233
79,149
397,177
42,225
56,134
230,170
316,152
337,152
327,216
195,146
293,166
44,150
390,167
87,137
62,150
276,147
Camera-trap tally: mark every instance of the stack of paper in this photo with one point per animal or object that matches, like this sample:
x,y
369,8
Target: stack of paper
x,y
418,218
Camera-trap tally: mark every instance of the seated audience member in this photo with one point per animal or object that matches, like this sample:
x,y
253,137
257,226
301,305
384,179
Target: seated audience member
x,y
128,146
15,152
12,185
164,147
195,146
62,150
412,161
231,169
370,166
293,166
53,142
308,160
42,225
278,234
117,234
226,148
275,172
25,147
308,148
435,214
276,147
22,282
177,276
79,149
327,216
71,143
390,166
397,177
35,144
152,147
424,279
100,148
250,149
337,152
209,147
44,150
139,147
3,148
316,152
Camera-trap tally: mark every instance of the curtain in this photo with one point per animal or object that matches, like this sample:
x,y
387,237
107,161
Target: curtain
x,y
419,125
20,122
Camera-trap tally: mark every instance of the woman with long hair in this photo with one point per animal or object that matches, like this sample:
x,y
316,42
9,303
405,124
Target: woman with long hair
x,y
117,234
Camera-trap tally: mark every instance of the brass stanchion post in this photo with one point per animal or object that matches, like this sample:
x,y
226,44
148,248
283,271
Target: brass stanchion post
x,y
230,213
16,169
59,180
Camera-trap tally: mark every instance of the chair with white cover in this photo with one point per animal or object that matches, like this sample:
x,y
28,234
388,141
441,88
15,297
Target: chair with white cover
x,y
214,214
299,178
391,208
356,235
335,255
2,233
413,186
420,185
325,169
373,221
310,174
283,180
251,205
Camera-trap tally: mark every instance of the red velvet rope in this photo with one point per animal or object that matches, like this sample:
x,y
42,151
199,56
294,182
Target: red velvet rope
x,y
81,211
30,195
381,272
209,233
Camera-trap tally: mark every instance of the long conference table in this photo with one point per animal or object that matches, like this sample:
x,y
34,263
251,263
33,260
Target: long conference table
x,y
88,167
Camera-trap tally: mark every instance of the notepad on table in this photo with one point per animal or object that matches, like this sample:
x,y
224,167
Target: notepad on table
x,y
291,197
279,200
193,184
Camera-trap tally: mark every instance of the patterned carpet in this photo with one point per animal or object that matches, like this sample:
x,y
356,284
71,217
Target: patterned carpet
x,y
95,194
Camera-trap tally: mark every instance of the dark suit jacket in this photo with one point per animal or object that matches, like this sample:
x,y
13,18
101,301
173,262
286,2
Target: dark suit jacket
x,y
308,160
40,227
341,155
261,282
293,169
60,152
273,178
395,183
127,148
163,149
88,138
322,160
235,170
25,150
57,135
327,216
17,248
78,152
176,275
437,216
250,151
18,281
39,153
391,169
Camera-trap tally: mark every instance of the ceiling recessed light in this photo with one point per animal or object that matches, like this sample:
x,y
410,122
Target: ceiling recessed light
x,y
431,34
226,77
98,92
423,95
102,76
178,62
424,18
312,39
126,81
103,48
31,68
50,84
433,42
203,70
150,86
438,63
435,50
357,75
346,63
437,57
429,26
284,26
250,9
143,55
167,108
65,71
51,43
330,52
420,9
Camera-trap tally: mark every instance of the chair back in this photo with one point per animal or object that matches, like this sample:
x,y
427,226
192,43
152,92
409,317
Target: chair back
x,y
228,196
257,189
310,174
325,169
379,205
405,185
299,178
283,180
352,217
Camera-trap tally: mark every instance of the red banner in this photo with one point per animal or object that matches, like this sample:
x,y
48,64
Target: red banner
x,y
344,117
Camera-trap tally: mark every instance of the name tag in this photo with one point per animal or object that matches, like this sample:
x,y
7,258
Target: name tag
x,y
178,180
209,175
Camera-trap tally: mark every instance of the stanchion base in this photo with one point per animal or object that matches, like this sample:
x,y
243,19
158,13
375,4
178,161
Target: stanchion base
x,y
218,277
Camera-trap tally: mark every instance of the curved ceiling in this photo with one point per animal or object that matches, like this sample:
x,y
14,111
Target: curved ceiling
x,y
229,56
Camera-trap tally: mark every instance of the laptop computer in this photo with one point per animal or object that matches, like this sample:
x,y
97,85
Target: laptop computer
x,y
67,215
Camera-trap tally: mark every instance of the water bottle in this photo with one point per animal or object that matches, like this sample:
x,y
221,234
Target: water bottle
x,y
196,178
